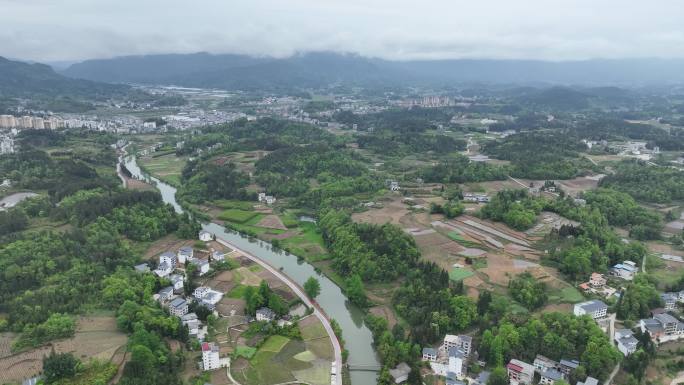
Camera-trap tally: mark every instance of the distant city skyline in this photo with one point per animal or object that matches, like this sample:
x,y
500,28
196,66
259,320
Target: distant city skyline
x,y
557,30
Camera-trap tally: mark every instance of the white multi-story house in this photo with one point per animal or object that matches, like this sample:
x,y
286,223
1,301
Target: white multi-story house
x,y
429,354
185,254
670,300
595,309
169,258
210,356
177,281
200,292
202,265
520,372
462,342
625,341
178,307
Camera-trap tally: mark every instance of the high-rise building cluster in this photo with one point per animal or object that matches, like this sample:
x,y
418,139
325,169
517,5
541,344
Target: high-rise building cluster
x,y
35,122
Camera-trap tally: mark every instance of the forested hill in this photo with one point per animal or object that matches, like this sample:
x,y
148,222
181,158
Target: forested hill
x,y
238,71
19,79
320,69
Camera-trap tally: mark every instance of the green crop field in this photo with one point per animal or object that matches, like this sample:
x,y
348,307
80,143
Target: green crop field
x,y
457,274
236,215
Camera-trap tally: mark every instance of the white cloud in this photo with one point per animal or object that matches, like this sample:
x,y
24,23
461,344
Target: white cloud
x,y
397,29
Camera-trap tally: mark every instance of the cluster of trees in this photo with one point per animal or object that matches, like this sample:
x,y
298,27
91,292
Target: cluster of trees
x,y
529,291
459,169
287,171
401,143
554,335
541,155
207,180
430,306
377,253
450,209
638,298
646,182
513,207
55,327
593,246
263,296
622,210
36,170
393,348
262,134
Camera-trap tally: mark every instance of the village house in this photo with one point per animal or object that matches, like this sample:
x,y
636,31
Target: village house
x,y
567,366
475,198
217,256
462,342
178,307
595,309
670,300
165,294
210,356
625,341
185,253
400,373
542,364
454,364
550,376
202,266
597,280
211,299
168,257
662,327
177,281
265,314
268,199
588,381
429,354
205,236
200,292
625,270
519,372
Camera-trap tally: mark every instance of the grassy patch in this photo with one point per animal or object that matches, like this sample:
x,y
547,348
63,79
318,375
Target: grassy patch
x,y
454,236
237,215
479,263
566,295
457,274
166,167
274,343
237,292
245,352
308,244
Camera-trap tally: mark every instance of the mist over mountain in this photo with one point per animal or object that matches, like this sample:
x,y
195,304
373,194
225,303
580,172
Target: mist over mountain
x,y
317,69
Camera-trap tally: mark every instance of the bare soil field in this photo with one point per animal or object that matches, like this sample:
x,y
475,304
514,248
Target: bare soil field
x,y
223,282
271,222
392,212
96,337
248,277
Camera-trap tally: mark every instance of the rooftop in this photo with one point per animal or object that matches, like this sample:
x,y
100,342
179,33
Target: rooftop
x,y
592,306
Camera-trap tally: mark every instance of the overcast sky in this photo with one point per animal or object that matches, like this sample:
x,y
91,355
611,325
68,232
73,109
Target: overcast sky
x,y
52,30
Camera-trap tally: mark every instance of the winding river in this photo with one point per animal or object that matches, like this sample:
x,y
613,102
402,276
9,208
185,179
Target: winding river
x,y
358,338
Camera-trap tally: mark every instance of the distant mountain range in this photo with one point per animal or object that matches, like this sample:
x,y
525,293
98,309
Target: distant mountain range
x,y
19,79
318,69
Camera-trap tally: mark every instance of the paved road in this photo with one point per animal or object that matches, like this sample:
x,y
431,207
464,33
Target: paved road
x,y
300,293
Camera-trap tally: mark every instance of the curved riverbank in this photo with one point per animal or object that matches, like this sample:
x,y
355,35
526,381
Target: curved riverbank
x,y
331,300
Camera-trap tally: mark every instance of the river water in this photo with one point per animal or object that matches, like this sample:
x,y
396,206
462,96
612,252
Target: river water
x,y
358,338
